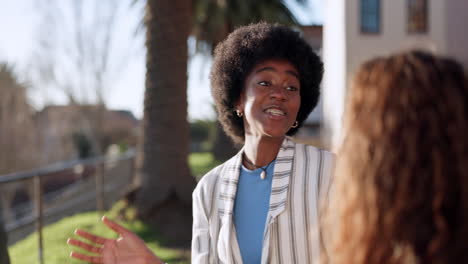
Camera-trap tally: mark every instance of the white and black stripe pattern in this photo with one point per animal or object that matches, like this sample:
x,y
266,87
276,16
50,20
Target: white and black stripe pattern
x,y
301,179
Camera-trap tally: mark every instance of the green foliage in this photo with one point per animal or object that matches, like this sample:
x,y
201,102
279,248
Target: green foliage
x,y
214,20
202,162
202,135
56,250
200,130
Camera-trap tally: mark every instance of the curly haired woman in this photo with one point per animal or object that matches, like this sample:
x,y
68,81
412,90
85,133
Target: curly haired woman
x,y
261,206
401,183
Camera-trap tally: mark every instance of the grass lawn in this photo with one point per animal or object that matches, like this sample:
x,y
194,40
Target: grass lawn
x,y
56,250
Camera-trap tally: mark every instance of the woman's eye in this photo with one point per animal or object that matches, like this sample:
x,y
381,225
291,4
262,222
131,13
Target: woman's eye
x,y
291,88
264,83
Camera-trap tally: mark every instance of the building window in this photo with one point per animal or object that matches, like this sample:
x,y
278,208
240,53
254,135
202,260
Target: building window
x,y
417,16
370,16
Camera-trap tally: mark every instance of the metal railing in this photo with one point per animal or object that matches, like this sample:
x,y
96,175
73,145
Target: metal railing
x,y
99,165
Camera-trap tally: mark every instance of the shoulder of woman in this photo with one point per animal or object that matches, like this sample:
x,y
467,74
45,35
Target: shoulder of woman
x,y
325,153
207,182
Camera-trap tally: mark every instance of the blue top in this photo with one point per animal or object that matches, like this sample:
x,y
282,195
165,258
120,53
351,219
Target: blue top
x,y
250,211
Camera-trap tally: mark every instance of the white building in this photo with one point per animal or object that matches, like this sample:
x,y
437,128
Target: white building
x,y
357,30
310,130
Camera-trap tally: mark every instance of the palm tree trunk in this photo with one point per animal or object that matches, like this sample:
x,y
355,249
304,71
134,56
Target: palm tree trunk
x,y
164,196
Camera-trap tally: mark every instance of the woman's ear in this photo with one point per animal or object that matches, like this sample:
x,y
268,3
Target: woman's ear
x,y
239,105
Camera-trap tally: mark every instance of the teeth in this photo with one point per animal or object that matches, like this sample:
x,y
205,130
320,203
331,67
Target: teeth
x,y
274,111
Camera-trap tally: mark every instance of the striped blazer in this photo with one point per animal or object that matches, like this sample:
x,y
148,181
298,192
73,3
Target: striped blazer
x,y
301,178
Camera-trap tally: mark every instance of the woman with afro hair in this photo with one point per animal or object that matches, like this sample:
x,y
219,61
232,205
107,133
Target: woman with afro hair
x,y
261,206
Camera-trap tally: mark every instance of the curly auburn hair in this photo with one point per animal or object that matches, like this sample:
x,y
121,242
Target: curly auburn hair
x,y
401,181
244,48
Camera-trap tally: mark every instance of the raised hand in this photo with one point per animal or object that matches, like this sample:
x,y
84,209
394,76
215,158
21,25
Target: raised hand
x,y
126,249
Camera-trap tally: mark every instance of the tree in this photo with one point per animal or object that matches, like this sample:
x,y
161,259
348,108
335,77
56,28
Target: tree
x,y
80,53
16,124
165,183
214,20
18,144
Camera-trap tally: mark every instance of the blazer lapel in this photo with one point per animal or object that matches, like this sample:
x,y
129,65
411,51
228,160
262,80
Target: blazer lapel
x,y
228,249
279,191
281,177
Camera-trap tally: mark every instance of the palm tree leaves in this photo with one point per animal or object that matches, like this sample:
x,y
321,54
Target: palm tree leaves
x,y
213,20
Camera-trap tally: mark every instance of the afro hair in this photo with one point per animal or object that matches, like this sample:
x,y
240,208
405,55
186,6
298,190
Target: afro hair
x,y
247,46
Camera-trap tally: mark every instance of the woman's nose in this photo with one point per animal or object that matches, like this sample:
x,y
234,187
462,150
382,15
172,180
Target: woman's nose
x,y
279,93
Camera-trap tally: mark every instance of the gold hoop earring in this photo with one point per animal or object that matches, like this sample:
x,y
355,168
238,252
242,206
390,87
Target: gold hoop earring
x,y
296,124
239,113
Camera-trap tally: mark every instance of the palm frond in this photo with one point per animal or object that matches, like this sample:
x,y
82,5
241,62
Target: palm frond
x,y
215,19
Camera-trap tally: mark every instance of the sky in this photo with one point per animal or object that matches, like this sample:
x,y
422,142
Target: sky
x,y
18,32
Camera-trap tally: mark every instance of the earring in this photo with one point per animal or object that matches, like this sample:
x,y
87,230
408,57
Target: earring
x,y
296,124
239,113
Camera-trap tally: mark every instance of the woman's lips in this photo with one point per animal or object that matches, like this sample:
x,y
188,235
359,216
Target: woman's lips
x,y
275,112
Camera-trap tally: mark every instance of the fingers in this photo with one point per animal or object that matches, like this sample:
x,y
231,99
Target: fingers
x,y
84,246
90,259
114,226
91,237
